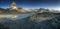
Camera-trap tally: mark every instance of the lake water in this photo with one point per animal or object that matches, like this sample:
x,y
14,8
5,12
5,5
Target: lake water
x,y
19,16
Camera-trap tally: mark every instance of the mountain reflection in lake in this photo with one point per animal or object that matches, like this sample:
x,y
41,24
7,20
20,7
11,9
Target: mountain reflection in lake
x,y
24,16
25,22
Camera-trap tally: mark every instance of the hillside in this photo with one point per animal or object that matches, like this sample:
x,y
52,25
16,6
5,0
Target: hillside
x,y
28,23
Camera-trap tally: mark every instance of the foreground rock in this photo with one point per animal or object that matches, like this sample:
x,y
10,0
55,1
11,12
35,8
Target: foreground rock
x,y
28,23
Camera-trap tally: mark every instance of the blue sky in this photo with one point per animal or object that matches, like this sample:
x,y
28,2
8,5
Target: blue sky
x,y
32,4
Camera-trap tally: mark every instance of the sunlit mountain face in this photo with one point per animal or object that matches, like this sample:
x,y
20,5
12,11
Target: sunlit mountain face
x,y
32,4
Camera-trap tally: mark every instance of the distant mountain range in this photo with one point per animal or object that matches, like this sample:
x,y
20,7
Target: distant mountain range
x,y
8,11
41,10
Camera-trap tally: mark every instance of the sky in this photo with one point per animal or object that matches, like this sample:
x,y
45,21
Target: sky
x,y
32,4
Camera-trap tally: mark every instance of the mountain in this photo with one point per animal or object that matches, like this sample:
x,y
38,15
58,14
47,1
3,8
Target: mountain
x,y
41,10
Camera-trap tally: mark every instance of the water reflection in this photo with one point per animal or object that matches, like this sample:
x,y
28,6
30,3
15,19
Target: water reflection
x,y
24,16
14,17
